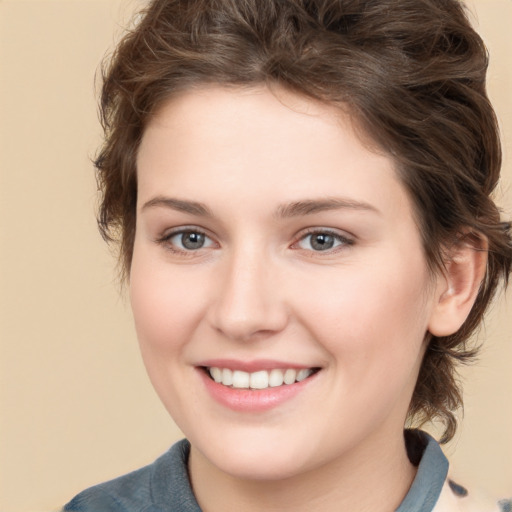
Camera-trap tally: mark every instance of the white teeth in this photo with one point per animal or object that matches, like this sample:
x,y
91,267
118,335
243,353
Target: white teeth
x,y
303,374
258,380
290,376
276,378
227,377
216,374
240,379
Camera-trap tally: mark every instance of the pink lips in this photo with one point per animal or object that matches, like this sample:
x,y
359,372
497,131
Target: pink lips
x,y
249,400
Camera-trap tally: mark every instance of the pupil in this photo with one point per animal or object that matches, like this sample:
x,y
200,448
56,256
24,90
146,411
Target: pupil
x,y
322,242
192,240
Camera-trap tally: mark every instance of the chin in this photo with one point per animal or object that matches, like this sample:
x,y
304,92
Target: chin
x,y
259,460
268,468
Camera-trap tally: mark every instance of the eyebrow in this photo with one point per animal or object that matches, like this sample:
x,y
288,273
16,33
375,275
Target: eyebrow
x,y
294,209
311,206
192,207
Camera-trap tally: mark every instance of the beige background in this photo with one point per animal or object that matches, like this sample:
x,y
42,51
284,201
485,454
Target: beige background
x,y
75,405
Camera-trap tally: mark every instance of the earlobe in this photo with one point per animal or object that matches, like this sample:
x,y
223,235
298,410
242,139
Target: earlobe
x,y
458,284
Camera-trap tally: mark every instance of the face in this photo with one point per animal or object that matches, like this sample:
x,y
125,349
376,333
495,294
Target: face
x,y
279,288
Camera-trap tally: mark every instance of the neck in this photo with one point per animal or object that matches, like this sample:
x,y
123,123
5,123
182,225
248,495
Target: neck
x,y
374,477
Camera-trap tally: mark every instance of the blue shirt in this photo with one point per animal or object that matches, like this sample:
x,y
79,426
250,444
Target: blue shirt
x,y
164,486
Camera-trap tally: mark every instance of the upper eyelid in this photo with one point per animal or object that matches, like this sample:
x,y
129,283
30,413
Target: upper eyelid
x,y
164,241
329,231
169,233
346,241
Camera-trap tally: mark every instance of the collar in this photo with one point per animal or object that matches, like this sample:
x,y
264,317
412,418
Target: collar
x,y
431,476
170,476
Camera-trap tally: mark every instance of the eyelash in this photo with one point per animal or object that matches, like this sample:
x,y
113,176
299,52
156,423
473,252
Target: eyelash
x,y
165,240
342,241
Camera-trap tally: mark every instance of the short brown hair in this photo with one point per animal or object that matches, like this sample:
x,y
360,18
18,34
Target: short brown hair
x,y
412,72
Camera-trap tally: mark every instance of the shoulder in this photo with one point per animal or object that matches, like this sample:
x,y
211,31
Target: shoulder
x,y
456,498
145,490
124,494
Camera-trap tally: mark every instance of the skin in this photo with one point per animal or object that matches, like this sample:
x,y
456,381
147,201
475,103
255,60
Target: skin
x,y
258,289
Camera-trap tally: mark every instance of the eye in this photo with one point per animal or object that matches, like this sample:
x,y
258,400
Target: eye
x,y
188,240
322,241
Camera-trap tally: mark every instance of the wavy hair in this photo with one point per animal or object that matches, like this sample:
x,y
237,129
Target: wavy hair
x,y
411,72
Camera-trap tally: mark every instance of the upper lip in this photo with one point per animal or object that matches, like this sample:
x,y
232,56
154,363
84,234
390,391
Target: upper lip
x,y
253,365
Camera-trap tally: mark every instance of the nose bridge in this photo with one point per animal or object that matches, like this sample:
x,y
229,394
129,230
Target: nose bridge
x,y
248,301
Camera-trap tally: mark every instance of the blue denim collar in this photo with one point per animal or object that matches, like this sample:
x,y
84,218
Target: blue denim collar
x,y
432,471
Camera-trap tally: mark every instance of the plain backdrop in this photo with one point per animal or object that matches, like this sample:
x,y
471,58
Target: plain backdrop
x,y
76,407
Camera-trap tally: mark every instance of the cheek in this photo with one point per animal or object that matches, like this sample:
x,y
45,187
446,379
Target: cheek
x,y
165,308
166,305
371,319
373,326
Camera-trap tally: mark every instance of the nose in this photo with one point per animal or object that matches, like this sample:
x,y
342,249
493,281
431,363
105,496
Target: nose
x,y
248,302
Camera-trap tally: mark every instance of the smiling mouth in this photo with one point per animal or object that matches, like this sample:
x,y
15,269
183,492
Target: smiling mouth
x,y
262,379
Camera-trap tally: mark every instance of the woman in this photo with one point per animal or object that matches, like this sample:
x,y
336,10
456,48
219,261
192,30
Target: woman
x,y
301,192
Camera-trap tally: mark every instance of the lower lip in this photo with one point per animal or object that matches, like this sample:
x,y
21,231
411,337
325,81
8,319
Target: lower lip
x,y
253,400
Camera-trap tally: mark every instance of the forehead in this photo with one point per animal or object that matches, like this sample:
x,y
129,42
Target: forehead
x,y
226,144
255,106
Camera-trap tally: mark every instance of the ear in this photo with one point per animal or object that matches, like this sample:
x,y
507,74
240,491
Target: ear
x,y
458,284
